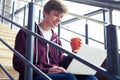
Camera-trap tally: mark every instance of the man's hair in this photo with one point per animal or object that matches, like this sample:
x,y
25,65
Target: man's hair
x,y
55,5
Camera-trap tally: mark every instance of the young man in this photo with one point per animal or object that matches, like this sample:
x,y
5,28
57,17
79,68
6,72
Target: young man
x,y
47,58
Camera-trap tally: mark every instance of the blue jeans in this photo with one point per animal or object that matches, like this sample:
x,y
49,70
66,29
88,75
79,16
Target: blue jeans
x,y
58,76
91,77
86,77
67,76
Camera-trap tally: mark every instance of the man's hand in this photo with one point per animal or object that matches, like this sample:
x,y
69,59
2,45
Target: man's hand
x,y
55,69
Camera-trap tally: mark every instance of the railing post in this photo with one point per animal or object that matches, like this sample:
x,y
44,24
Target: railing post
x,y
86,33
3,9
113,64
102,71
104,19
30,43
24,17
59,29
39,19
12,16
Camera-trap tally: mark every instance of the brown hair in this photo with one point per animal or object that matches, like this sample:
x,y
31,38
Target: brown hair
x,y
55,5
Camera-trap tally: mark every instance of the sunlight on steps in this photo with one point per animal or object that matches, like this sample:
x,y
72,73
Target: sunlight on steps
x,y
6,55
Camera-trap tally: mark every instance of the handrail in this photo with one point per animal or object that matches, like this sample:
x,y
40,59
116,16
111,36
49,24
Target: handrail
x,y
83,36
33,2
87,18
86,15
98,3
101,70
22,8
19,10
72,55
6,72
26,61
27,1
72,14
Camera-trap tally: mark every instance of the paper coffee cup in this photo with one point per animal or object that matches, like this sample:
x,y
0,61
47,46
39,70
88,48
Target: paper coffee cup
x,y
75,44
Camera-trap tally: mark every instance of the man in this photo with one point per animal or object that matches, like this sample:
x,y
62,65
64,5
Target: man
x,y
47,58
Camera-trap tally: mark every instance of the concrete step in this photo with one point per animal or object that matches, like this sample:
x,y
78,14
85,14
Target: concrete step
x,y
8,38
8,31
6,61
6,58
6,55
11,35
5,50
4,26
10,42
12,72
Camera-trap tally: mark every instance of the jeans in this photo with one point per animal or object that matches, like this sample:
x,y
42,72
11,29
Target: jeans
x,y
58,76
91,77
86,77
67,76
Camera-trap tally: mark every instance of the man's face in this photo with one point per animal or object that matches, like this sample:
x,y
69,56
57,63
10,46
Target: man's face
x,y
53,18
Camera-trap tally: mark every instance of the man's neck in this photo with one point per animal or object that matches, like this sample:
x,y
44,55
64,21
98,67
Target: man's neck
x,y
44,26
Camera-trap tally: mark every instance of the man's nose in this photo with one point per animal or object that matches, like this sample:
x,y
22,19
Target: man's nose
x,y
59,19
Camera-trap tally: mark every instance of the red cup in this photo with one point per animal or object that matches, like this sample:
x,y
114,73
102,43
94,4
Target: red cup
x,y
75,44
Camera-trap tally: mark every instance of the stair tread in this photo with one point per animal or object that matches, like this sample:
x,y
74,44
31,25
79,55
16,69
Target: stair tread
x,y
10,69
2,45
8,36
6,54
11,35
8,31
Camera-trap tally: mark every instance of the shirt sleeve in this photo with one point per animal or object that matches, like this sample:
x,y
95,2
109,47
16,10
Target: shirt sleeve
x,y
20,43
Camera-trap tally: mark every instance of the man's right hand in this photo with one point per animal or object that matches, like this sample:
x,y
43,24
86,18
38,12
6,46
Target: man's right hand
x,y
55,69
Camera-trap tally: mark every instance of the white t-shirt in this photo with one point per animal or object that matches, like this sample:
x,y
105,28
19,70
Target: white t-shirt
x,y
47,34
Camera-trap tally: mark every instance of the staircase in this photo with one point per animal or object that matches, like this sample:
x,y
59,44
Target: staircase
x,y
6,55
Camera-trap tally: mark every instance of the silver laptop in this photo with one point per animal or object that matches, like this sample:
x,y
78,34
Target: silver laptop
x,y
91,54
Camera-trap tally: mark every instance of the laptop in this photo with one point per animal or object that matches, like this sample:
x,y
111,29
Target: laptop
x,y
92,55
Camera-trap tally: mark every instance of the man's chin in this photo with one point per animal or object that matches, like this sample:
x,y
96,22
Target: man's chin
x,y
56,24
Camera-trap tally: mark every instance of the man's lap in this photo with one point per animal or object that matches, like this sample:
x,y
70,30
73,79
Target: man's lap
x,y
67,76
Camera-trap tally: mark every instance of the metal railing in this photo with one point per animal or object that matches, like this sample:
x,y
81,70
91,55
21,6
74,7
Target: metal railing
x,y
6,72
101,70
26,61
109,4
